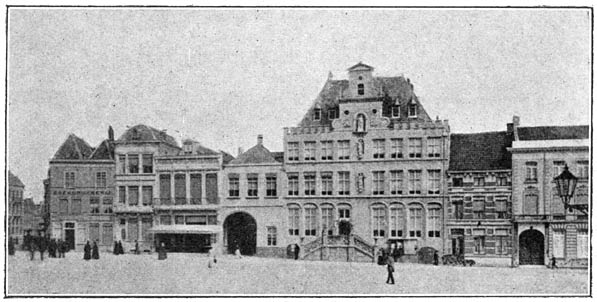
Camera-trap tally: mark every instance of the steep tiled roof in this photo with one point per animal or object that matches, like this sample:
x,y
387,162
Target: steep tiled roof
x,y
392,90
553,132
105,150
74,148
146,133
256,155
14,181
480,151
278,156
226,157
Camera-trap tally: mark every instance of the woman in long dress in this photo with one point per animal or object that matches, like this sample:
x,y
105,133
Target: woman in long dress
x,y
87,251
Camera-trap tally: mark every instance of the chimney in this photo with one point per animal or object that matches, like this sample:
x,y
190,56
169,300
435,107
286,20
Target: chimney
x,y
260,139
330,76
240,151
512,128
110,133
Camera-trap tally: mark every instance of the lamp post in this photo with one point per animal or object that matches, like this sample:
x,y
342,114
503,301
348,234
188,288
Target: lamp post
x,y
565,184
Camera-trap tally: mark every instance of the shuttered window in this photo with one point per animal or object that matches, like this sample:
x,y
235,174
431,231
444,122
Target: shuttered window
x,y
211,188
180,188
165,189
195,188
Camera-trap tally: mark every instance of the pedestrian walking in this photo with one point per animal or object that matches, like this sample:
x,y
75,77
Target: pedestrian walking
x,y
120,248
11,246
43,246
60,248
95,251
162,252
115,249
435,258
395,253
297,251
553,262
390,267
87,251
32,246
137,248
52,248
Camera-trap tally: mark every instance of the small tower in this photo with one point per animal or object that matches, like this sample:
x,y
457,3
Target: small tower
x,y
360,82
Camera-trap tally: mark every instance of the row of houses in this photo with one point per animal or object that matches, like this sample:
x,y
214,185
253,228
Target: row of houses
x,y
23,215
366,160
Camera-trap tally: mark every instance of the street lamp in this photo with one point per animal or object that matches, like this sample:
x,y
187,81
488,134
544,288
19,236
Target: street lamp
x,y
565,184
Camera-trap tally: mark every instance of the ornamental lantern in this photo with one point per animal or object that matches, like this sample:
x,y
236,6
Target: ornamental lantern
x,y
565,184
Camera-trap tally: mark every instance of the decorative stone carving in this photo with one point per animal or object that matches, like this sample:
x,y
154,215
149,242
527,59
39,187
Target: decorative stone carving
x,y
360,148
360,182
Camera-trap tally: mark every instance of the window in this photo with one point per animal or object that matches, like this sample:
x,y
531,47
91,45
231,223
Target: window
x,y
333,114
582,244
458,207
133,163
180,189
434,222
559,243
583,169
76,206
233,185
415,219
415,147
94,232
327,219
531,202
94,205
361,89
107,205
378,182
434,181
69,179
196,188
147,195
531,171
133,195
147,163
379,148
252,185
310,220
317,114
433,147
379,221
414,182
293,185
211,188
581,195
107,234
123,234
343,183
479,181
195,220
309,150
293,220
326,183
479,207
397,147
396,221
165,219
100,179
396,182
457,182
271,184
501,180
272,236
558,168
293,152
326,150
501,207
479,245
179,219
344,213
343,150
309,183
122,194
501,243
122,164
395,111
133,229
412,110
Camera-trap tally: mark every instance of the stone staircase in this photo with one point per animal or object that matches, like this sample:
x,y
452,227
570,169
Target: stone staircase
x,y
338,248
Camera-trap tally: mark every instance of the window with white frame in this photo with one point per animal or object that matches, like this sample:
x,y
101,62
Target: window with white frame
x,y
395,111
94,205
558,167
309,151
343,183
531,171
434,181
332,114
396,182
107,205
531,202
583,169
272,236
147,163
310,220
478,207
412,110
433,146
397,221
379,148
479,181
326,150
293,185
122,164
233,185
415,147
501,207
415,221
293,220
309,183
252,185
133,163
414,182
343,212
434,222
100,179
501,245
379,221
326,183
397,148
582,244
327,219
293,151
271,185
317,114
69,179
479,242
378,182
343,150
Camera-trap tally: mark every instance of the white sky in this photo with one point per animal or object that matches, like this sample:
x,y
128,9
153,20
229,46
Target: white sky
x,y
224,76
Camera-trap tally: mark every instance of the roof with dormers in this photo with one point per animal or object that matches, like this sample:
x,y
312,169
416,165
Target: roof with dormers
x,y
392,91
73,148
14,181
147,134
256,155
105,150
552,133
198,148
480,151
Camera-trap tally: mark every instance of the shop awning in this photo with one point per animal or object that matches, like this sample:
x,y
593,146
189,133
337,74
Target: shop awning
x,y
186,229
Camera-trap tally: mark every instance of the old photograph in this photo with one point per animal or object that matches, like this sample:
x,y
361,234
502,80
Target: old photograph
x,y
298,151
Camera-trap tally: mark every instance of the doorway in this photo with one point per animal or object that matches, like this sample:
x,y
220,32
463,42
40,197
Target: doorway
x,y
241,231
532,245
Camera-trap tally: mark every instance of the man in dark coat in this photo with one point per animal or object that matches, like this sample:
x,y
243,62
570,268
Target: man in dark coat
x,y
95,253
59,248
162,252
87,251
120,248
435,258
11,246
43,246
115,249
32,246
297,251
390,266
52,247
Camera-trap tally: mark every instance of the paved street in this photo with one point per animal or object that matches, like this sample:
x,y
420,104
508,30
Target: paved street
x,y
189,274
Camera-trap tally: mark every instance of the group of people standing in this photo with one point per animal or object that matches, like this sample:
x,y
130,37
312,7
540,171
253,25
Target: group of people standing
x,y
91,252
118,250
41,243
388,257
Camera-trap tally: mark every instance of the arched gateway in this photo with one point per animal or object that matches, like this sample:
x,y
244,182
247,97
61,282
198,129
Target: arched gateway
x,y
532,245
240,230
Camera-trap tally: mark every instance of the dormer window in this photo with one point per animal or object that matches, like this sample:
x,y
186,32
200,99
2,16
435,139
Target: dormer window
x,y
187,148
361,89
317,114
396,111
332,114
412,110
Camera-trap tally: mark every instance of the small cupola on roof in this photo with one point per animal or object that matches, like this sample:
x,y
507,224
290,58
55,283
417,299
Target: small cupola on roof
x,y
360,82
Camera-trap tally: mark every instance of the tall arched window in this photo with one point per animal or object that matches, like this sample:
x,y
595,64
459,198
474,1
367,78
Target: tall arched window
x,y
310,220
361,89
327,219
294,217
434,220
531,201
415,220
397,220
379,217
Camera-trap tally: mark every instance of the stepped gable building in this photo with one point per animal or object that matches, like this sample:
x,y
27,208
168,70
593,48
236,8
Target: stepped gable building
x,y
15,208
186,209
135,181
542,227
80,192
479,212
253,206
366,152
